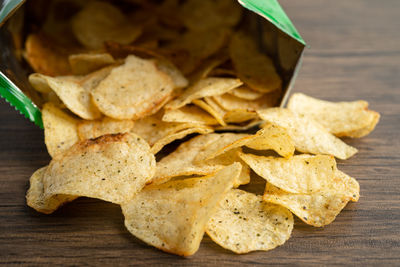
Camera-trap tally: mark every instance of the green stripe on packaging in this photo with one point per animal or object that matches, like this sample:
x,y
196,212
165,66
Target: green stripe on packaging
x,y
13,95
273,12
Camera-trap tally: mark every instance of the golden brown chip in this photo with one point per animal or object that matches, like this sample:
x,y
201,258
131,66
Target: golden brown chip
x,y
213,110
94,129
189,114
99,22
159,133
308,135
167,67
317,209
112,168
45,56
208,14
74,91
245,92
133,90
244,223
351,119
253,67
173,216
298,174
60,129
239,116
231,102
203,88
82,64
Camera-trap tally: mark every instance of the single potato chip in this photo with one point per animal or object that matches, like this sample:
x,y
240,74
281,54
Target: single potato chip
x,y
112,168
253,67
231,102
74,91
159,133
99,22
246,93
298,174
94,129
189,114
239,116
133,90
212,14
204,87
212,109
352,119
173,216
308,135
82,64
316,209
244,223
45,57
60,129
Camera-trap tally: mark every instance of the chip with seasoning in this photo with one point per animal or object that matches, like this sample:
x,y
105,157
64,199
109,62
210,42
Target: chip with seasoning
x,y
173,216
243,223
97,128
112,168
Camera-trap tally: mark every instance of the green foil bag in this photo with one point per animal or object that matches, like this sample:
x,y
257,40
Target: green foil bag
x,y
285,46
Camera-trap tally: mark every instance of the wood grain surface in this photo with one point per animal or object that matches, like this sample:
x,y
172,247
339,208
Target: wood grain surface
x,y
354,54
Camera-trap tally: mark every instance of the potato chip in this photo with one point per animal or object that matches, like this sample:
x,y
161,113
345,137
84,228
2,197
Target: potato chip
x,y
253,67
159,133
207,66
74,91
273,137
38,83
216,113
60,129
35,196
99,22
189,114
351,119
45,57
244,223
208,14
203,88
316,209
239,116
112,168
94,129
231,102
222,72
82,64
308,135
133,90
167,67
173,216
245,92
246,126
298,174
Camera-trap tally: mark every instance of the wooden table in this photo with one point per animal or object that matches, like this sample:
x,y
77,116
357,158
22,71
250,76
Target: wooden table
x,y
355,54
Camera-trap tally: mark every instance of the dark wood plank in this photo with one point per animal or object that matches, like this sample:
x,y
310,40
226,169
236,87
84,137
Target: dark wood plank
x,y
355,54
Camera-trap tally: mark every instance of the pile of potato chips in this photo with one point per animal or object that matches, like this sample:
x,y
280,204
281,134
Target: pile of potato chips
x,y
119,86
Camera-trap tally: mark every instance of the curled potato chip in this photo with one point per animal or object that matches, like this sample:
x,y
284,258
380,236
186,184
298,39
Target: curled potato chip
x,y
60,129
94,129
112,168
308,135
231,102
181,161
212,109
159,133
351,119
99,22
74,91
173,216
204,87
133,90
253,67
45,57
298,174
82,64
210,14
239,116
245,92
244,223
189,114
316,209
